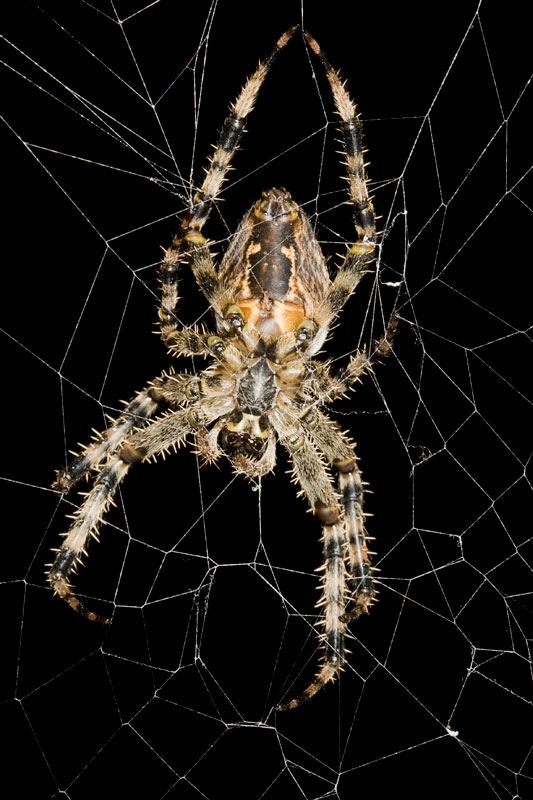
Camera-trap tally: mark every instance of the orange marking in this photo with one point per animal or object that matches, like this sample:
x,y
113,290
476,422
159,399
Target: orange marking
x,y
272,318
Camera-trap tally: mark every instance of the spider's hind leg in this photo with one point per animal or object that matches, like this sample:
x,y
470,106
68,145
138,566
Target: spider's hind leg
x,y
340,453
357,554
310,472
347,584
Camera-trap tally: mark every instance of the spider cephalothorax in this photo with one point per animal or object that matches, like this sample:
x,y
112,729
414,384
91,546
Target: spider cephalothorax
x,y
273,301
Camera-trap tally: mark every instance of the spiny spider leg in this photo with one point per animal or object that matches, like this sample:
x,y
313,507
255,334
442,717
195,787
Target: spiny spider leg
x,y
343,381
340,453
361,254
168,431
136,414
310,472
347,585
346,579
189,239
357,554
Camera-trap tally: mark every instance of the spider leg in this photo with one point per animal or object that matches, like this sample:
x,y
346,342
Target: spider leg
x,y
136,414
340,453
190,341
311,473
361,254
166,390
330,387
157,437
357,552
189,240
347,583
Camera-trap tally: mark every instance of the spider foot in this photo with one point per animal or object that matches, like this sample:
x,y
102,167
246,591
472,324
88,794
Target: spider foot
x,y
58,580
328,672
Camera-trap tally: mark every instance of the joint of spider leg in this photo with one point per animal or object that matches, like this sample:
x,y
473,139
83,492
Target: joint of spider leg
x,y
328,515
192,390
132,455
226,352
194,237
351,493
168,322
107,481
134,414
156,396
170,267
234,319
193,419
352,139
217,345
364,597
362,248
295,443
305,333
344,465
309,419
332,550
163,315
363,215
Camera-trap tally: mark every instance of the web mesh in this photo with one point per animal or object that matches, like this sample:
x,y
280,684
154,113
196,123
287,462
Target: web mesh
x,y
110,113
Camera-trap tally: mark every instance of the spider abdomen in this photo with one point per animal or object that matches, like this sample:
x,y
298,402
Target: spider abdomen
x,y
271,255
274,269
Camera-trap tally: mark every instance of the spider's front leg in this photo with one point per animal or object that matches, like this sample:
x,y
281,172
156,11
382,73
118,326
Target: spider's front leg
x,y
361,253
189,243
156,437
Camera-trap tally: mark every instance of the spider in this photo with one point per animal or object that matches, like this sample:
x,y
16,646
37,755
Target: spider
x,y
273,302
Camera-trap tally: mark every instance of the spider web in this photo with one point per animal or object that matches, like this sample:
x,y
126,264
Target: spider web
x,y
110,111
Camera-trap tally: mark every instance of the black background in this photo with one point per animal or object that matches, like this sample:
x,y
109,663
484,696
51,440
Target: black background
x,y
212,584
